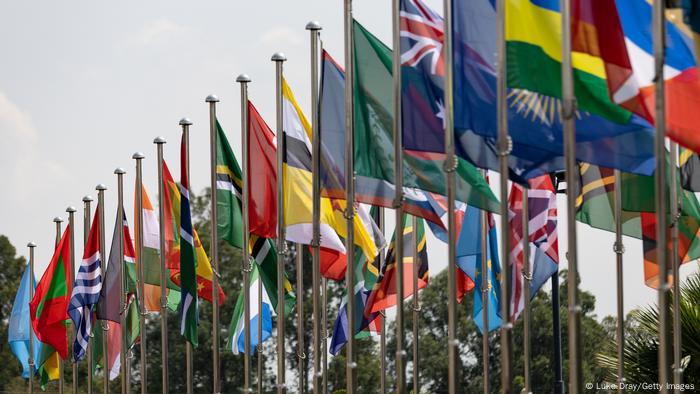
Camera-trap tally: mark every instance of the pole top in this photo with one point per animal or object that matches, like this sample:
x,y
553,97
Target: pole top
x,y
243,78
58,219
313,25
101,187
118,171
31,245
88,198
278,57
159,140
138,156
71,209
185,122
212,99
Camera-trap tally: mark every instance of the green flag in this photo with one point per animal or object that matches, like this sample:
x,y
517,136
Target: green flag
x,y
229,186
374,111
188,264
265,255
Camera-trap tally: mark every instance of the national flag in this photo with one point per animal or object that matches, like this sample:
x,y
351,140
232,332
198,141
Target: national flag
x,y
534,121
383,294
262,176
48,363
114,338
86,290
542,238
172,242
372,188
229,186
263,251
469,253
690,170
19,326
236,340
49,307
189,315
682,85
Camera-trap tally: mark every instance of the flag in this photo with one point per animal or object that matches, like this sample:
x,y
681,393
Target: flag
x,y
48,362
151,258
383,294
188,264
204,271
229,186
86,290
236,340
682,85
543,258
690,170
262,176
19,326
114,339
534,122
263,251
49,307
469,261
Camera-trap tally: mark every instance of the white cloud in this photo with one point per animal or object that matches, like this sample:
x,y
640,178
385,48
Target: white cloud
x,y
280,36
14,122
158,32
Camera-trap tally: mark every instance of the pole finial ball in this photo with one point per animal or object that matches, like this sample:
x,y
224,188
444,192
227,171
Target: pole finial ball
x,y
212,99
138,156
159,140
278,57
31,245
243,78
185,122
101,187
313,25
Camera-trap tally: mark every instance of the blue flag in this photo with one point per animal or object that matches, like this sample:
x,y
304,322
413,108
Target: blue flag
x,y
469,261
19,326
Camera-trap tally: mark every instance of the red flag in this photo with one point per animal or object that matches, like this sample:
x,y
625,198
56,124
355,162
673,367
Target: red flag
x,y
262,176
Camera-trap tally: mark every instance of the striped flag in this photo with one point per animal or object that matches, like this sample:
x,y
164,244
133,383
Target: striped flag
x,y
188,263
229,186
542,238
86,291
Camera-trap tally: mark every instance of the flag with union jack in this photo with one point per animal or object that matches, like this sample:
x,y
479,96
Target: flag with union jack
x,y
543,241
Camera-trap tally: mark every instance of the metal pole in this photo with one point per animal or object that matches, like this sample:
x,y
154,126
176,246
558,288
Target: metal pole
x,y
71,223
398,197
101,212
314,29
527,278
619,249
450,167
556,337
676,265
185,123
350,373
324,337
659,44
243,79
122,287
279,60
138,156
86,232
382,334
58,220
160,141
301,356
30,361
212,100
416,303
485,288
568,112
261,370
504,147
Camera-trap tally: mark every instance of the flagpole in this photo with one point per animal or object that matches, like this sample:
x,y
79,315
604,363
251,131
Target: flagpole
x,y
185,123
659,44
556,337
416,303
71,223
527,279
260,344
301,356
58,220
382,333
243,79
86,232
675,260
31,361
350,373
105,348
160,141
212,100
138,156
122,300
314,29
450,166
504,148
324,335
485,289
619,249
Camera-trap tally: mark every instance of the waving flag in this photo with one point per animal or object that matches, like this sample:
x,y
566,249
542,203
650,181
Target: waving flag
x,y
86,291
50,303
262,176
229,186
19,326
682,84
188,279
236,340
542,238
626,142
